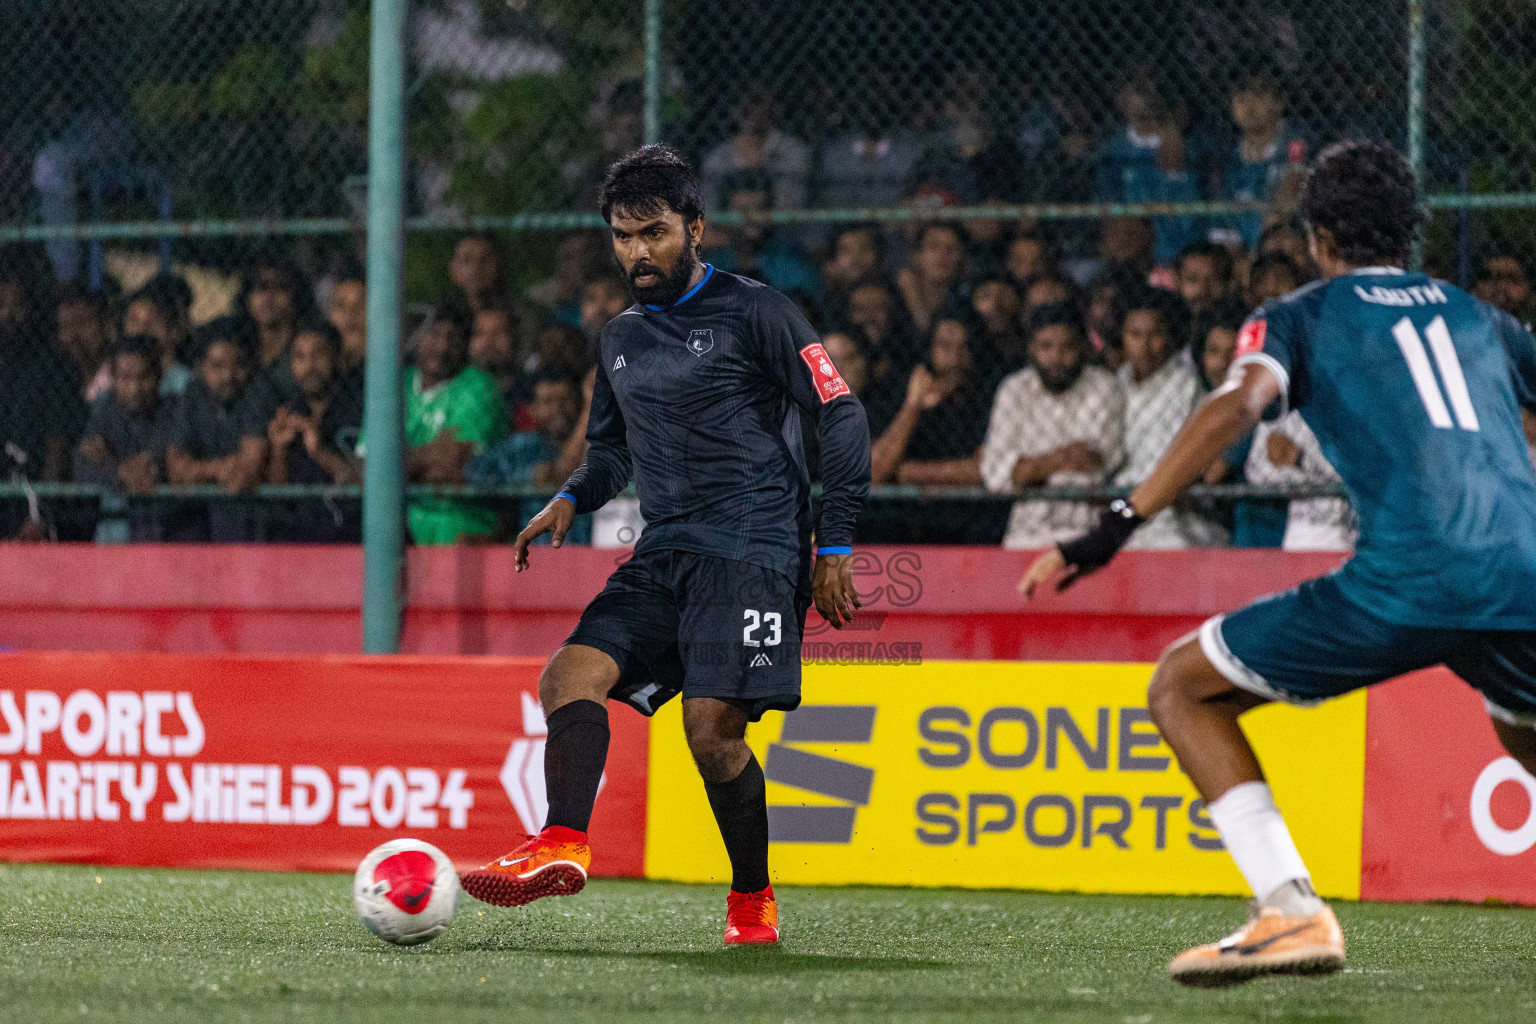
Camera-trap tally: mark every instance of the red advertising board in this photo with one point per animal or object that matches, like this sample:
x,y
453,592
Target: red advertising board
x,y
287,763
957,602
1448,816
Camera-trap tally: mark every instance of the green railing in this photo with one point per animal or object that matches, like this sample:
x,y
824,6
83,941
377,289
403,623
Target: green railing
x,y
880,492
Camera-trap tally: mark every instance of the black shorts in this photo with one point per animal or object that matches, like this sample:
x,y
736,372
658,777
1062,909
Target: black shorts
x,y
699,625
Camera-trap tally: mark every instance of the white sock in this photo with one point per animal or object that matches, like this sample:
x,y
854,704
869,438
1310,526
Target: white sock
x,y
1255,835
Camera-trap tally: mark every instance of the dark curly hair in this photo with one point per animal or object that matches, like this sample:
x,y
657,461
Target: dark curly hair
x,y
238,330
1363,193
141,345
455,313
1169,305
1219,255
325,329
1057,314
650,181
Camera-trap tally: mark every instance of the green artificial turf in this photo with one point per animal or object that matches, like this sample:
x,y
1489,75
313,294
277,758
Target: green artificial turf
x,y
167,946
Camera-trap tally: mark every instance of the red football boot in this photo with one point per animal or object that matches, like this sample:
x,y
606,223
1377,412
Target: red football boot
x,y
751,918
552,863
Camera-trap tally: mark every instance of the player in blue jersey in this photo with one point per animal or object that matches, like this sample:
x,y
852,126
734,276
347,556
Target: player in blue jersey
x,y
1414,390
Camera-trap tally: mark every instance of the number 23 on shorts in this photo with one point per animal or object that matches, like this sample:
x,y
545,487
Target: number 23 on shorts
x,y
755,621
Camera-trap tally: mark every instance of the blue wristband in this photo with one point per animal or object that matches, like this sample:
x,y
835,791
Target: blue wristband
x,y
835,551
567,495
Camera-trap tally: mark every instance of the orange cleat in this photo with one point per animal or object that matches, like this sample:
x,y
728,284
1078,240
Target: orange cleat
x,y
552,863
751,918
1270,943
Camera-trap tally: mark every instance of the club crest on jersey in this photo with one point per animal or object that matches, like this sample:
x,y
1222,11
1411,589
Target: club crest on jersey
x,y
1251,338
829,383
701,341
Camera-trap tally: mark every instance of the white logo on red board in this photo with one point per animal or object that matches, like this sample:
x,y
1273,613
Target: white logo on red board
x,y
129,728
1506,842
829,383
1251,338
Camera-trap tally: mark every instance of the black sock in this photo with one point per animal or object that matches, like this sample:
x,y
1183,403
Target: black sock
x,y
741,810
574,756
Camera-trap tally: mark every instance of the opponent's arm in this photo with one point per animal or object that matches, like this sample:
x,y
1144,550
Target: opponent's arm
x,y
792,356
603,473
1236,408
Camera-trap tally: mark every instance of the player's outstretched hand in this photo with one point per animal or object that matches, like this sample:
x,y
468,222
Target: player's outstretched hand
x,y
554,519
1087,554
1041,570
832,589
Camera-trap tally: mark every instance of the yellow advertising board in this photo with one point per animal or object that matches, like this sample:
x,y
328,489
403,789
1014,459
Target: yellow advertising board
x,y
1004,775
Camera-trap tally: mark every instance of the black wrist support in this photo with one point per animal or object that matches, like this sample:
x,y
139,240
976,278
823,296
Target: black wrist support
x,y
1094,549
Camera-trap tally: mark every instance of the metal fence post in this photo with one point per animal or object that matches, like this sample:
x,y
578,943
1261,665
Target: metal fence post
x,y
383,477
652,71
1416,112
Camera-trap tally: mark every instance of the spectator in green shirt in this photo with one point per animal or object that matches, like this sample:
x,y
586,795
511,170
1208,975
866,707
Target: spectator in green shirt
x,y
453,411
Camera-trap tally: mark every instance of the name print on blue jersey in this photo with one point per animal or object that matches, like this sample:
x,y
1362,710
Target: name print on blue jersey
x,y
1413,295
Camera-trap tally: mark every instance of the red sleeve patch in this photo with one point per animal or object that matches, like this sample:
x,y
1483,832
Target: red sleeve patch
x,y
1251,338
829,383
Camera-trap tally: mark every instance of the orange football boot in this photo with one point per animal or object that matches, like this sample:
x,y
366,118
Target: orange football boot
x,y
1270,943
552,863
751,917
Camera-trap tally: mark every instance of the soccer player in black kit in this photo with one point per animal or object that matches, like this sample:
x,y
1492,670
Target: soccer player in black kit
x,y
698,396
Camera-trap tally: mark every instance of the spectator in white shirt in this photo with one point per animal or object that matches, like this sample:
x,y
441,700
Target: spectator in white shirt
x,y
1286,452
1161,390
1058,422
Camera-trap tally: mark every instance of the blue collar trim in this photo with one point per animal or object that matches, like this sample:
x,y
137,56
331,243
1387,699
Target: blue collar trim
x,y
709,270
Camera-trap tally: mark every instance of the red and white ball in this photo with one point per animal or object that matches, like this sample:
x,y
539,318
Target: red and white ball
x,y
405,890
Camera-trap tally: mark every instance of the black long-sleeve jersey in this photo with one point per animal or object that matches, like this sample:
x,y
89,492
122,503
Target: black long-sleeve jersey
x,y
699,398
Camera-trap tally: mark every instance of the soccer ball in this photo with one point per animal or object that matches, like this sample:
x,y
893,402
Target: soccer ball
x,y
404,891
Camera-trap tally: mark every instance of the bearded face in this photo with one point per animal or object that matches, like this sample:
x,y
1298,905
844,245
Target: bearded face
x,y
658,255
1057,353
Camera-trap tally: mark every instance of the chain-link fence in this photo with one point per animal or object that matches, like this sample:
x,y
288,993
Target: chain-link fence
x,y
1082,146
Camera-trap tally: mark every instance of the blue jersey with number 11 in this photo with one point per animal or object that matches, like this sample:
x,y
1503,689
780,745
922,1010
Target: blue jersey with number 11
x,y
1414,390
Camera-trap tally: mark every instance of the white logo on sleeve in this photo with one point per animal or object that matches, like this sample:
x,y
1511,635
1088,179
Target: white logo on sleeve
x,y
618,364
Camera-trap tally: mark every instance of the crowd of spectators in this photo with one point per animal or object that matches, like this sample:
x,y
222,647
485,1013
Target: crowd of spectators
x,y
129,395
992,354
982,363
